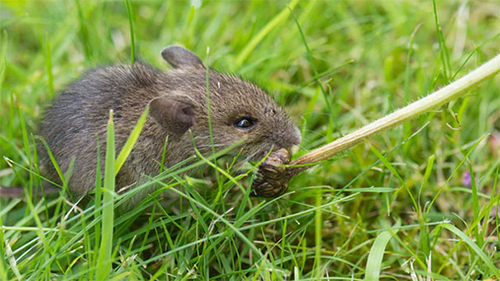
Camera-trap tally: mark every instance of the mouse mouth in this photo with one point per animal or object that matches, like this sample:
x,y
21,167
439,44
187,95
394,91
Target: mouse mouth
x,y
265,151
249,152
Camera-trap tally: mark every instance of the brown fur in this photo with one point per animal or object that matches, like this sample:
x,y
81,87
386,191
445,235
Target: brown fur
x,y
78,117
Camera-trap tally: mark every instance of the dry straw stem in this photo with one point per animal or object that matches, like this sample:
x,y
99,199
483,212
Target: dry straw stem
x,y
272,181
415,109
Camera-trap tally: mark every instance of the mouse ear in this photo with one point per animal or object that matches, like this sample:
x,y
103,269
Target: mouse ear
x,y
180,57
175,116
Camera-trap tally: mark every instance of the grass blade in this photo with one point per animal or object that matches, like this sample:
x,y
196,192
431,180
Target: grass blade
x,y
104,259
263,32
132,139
48,65
374,264
487,261
3,60
318,225
396,174
132,36
475,202
84,31
443,50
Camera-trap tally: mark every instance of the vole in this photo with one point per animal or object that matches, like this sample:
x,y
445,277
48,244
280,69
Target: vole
x,y
177,102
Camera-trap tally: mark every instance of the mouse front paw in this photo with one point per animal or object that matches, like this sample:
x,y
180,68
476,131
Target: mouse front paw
x,y
272,178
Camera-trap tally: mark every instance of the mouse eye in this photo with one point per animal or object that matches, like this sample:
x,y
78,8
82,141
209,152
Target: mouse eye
x,y
244,123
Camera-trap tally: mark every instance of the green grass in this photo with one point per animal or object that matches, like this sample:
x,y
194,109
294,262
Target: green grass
x,y
395,208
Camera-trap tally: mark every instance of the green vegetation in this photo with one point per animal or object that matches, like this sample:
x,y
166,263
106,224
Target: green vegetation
x,y
416,202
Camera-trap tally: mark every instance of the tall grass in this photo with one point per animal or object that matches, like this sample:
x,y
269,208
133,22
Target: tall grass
x,y
419,202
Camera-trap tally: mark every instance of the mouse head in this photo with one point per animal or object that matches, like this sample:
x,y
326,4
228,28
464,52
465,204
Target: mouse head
x,y
234,109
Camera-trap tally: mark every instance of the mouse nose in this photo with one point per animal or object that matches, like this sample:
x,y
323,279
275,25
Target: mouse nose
x,y
289,139
297,136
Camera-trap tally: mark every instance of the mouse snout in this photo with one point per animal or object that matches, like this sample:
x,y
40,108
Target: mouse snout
x,y
294,149
288,139
297,135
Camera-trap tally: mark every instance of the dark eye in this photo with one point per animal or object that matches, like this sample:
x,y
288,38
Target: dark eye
x,y
244,123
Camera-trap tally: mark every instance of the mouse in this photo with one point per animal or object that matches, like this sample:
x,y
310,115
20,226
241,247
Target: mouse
x,y
76,121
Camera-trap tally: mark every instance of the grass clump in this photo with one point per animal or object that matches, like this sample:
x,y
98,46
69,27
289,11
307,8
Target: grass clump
x,y
420,201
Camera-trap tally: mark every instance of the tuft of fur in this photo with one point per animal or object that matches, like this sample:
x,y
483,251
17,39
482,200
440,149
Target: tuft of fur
x,y
77,120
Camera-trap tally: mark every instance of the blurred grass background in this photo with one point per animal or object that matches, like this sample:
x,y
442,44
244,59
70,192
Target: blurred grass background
x,y
366,59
